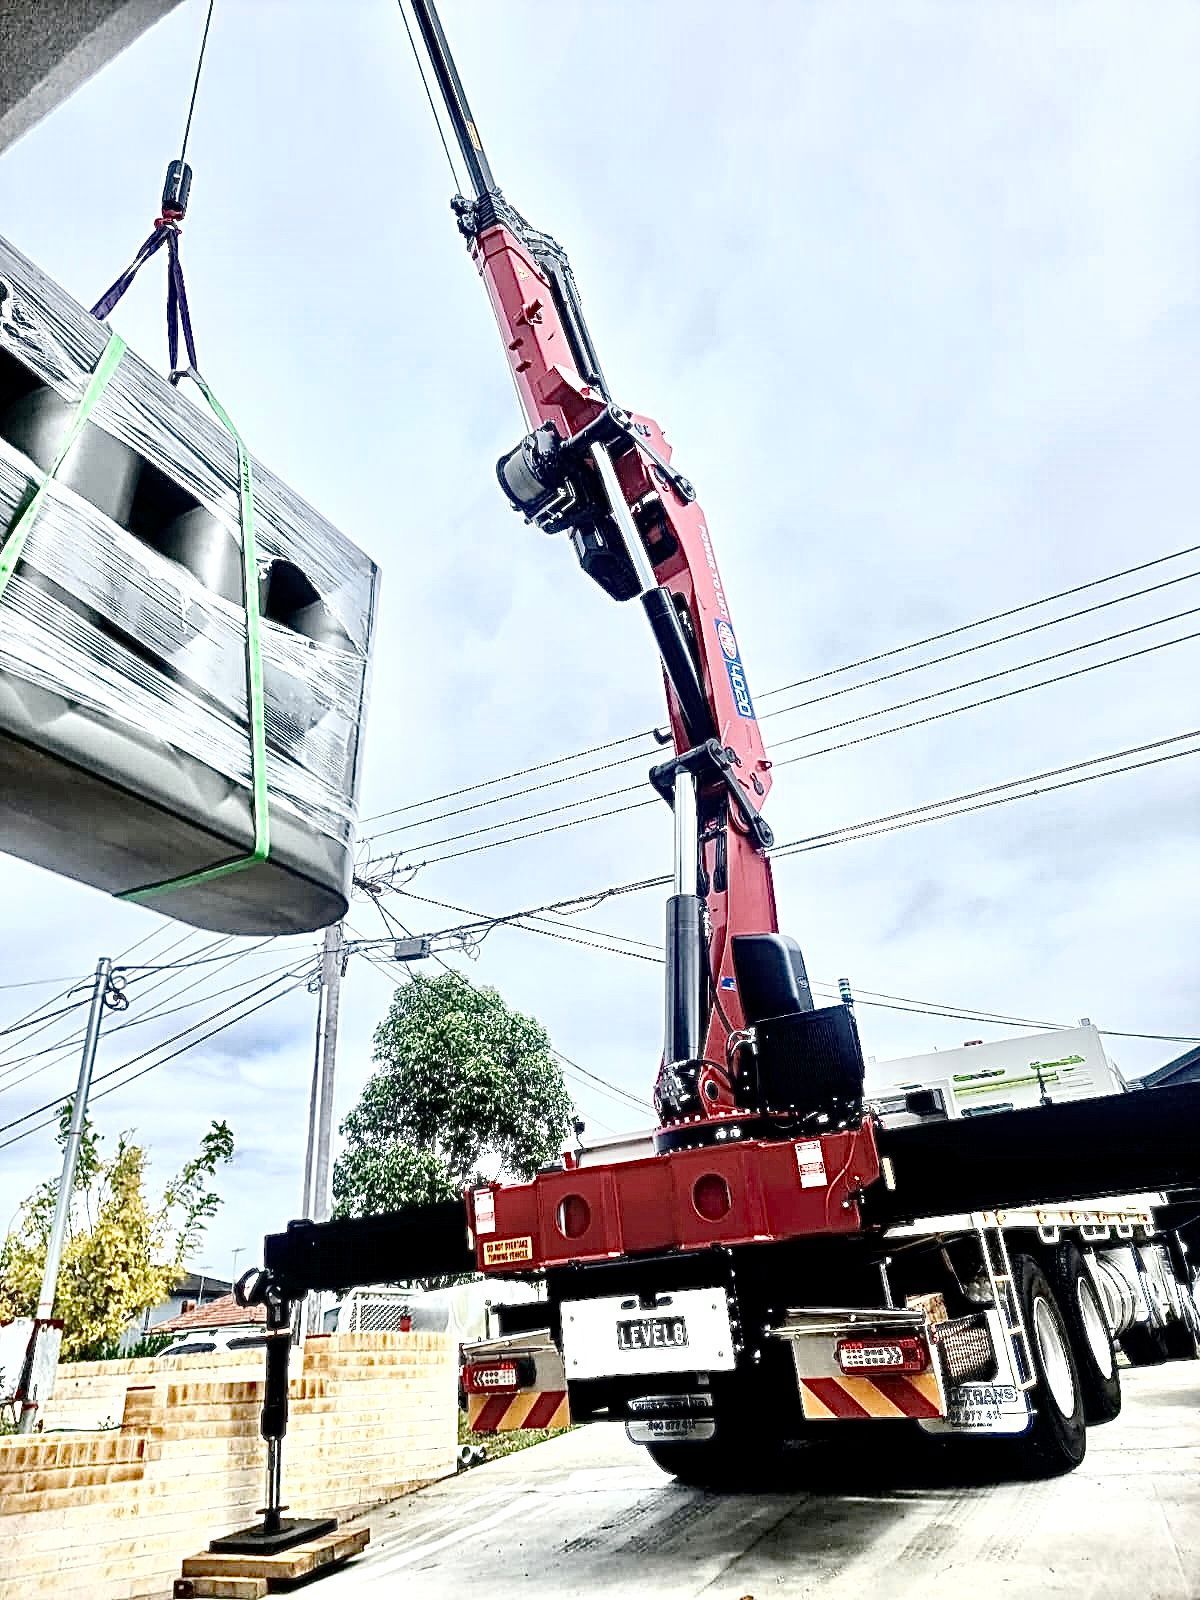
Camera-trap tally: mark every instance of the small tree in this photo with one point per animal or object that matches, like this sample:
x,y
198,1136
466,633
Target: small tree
x,y
466,1091
122,1253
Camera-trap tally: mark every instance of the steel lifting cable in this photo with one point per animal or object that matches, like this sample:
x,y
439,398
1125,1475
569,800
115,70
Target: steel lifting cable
x,y
167,227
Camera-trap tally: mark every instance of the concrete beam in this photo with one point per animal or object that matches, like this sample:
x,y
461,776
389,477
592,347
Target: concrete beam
x,y
49,47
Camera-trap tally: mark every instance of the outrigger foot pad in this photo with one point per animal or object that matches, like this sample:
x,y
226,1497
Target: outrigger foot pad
x,y
262,1540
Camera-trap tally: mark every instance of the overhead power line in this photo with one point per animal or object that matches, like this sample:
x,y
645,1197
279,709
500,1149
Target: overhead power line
x,y
87,979
812,733
38,983
10,1063
983,622
52,1105
614,1089
986,644
971,705
53,1016
518,772
933,810
244,1016
951,805
1006,672
830,672
67,1051
869,997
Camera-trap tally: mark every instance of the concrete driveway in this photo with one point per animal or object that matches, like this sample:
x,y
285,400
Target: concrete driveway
x,y
589,1514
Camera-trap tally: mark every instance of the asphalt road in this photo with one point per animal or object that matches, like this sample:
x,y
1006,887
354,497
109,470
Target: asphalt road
x,y
589,1514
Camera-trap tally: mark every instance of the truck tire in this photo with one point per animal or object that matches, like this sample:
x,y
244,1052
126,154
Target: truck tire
x,y
698,1463
1144,1346
1179,1335
1091,1339
1180,1342
738,1456
1057,1437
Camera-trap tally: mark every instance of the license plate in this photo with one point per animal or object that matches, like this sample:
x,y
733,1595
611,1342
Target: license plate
x,y
616,1336
652,1333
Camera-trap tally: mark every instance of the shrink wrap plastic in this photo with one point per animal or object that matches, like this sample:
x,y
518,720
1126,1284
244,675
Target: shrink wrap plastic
x,y
125,748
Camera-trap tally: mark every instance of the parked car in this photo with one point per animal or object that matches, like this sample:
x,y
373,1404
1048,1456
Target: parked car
x,y
210,1341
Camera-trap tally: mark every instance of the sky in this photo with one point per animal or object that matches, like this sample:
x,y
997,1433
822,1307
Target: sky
x,y
913,290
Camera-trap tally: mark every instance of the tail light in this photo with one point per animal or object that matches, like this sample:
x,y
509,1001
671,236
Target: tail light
x,y
905,1354
497,1377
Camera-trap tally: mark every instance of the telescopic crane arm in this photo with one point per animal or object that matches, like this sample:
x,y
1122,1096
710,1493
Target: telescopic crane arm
x,y
604,476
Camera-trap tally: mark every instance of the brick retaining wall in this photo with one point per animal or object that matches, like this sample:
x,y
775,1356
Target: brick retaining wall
x,y
112,1514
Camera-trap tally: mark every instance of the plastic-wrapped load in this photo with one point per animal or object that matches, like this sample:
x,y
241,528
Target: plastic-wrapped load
x,y
135,651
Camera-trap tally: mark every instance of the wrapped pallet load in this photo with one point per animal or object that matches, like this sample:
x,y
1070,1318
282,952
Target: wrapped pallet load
x,y
185,645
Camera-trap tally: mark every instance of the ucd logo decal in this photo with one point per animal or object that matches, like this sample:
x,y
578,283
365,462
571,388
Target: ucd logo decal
x,y
733,666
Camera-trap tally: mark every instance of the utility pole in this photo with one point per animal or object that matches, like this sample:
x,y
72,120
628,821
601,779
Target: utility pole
x,y
331,982
317,1175
66,1183
314,1099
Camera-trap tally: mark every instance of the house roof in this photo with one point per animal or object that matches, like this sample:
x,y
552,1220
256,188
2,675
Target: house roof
x,y
222,1313
1184,1069
193,1283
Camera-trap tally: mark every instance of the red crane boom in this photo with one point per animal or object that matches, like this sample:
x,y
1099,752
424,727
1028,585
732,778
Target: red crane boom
x,y
605,476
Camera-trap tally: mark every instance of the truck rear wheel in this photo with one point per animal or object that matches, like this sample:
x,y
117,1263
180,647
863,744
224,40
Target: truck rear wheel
x,y
1144,1346
738,1456
1057,1436
699,1463
1091,1339
1179,1337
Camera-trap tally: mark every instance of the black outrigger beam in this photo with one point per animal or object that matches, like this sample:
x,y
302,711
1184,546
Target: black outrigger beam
x,y
1146,1141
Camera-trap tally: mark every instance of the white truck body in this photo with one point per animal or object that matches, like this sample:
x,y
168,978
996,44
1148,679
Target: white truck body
x,y
1000,1075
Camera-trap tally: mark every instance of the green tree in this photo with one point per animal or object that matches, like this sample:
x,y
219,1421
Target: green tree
x,y
467,1091
123,1253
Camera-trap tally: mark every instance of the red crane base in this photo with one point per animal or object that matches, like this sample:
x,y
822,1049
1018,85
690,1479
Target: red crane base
x,y
723,1194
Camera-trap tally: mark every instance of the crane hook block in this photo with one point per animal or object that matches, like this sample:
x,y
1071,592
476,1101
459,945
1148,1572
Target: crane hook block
x,y
177,186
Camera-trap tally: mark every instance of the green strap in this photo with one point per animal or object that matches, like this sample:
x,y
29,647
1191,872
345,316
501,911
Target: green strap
x,y
10,554
260,804
14,540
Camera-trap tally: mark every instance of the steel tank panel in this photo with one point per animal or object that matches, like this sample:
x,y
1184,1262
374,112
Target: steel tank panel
x,y
125,735
97,466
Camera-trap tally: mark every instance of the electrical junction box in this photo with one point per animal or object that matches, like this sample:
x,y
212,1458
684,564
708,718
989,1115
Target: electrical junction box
x,y
414,948
126,752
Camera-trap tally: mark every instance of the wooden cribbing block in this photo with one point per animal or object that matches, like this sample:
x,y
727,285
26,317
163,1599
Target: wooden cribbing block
x,y
286,1567
220,1588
